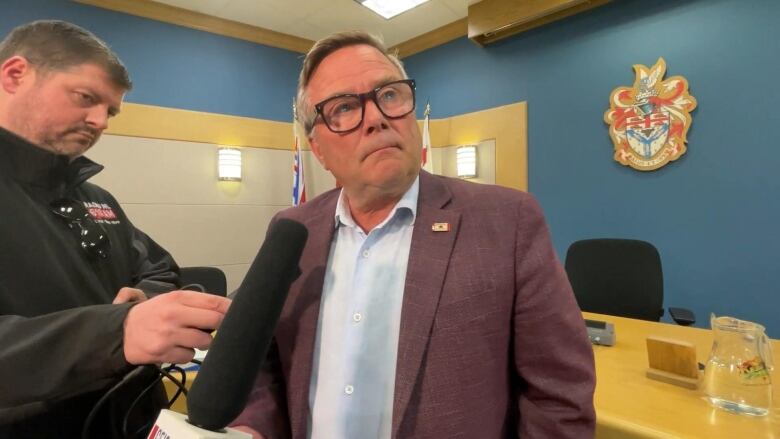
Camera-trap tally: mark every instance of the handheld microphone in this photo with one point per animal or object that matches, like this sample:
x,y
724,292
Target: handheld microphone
x,y
227,374
225,379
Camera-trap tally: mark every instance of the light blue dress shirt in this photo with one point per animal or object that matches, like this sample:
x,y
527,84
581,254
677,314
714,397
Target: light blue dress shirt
x,y
353,374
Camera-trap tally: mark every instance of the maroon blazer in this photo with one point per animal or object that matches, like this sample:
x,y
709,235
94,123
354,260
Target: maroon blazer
x,y
492,343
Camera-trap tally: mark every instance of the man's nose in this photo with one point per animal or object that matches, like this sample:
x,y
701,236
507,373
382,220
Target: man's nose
x,y
97,117
373,118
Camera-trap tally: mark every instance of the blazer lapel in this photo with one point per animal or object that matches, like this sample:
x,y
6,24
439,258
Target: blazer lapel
x,y
428,260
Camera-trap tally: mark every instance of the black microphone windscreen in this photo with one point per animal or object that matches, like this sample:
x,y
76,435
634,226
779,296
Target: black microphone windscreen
x,y
225,379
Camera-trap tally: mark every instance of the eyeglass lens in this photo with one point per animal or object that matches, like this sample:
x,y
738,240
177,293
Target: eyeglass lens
x,y
345,113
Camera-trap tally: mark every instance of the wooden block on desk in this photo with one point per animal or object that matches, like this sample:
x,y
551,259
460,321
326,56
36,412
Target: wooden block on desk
x,y
672,378
672,361
673,356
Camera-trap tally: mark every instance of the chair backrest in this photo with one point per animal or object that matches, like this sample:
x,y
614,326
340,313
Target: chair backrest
x,y
620,277
211,279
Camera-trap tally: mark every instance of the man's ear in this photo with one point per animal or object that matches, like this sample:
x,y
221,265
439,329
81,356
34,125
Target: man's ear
x,y
14,72
315,148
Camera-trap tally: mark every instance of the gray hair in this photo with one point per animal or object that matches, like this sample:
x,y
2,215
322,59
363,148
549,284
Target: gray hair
x,y
319,52
53,45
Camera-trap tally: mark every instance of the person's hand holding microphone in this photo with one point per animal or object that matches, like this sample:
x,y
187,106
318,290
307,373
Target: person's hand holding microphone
x,y
167,328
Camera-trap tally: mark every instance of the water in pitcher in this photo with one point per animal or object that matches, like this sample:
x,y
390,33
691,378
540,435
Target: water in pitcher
x,y
736,376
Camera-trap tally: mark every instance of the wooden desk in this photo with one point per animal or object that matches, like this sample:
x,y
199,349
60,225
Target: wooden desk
x,y
629,405
181,403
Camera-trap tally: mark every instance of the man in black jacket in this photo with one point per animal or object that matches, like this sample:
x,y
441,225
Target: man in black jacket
x,y
80,302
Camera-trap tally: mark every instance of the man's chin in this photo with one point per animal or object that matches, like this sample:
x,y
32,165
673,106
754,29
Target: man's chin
x,y
393,175
70,148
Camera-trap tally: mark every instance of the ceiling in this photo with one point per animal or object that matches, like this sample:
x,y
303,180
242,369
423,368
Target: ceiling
x,y
314,19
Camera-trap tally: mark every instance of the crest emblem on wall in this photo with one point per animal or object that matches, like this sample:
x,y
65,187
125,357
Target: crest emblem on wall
x,y
649,122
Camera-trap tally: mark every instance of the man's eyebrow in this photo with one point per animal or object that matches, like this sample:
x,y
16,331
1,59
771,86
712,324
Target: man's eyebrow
x,y
377,84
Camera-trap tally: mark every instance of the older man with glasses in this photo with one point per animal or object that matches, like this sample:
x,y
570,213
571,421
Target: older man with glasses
x,y
428,307
75,274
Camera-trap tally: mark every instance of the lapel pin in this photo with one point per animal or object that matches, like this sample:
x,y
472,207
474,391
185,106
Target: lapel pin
x,y
440,227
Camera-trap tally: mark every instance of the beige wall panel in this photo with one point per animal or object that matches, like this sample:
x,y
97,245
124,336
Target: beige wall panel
x,y
134,170
205,235
235,273
437,155
507,125
318,180
486,161
267,178
169,189
143,170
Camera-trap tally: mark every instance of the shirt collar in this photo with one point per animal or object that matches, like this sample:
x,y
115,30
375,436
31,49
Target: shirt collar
x,y
407,203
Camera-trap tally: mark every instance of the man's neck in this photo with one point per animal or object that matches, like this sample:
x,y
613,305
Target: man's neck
x,y
42,147
368,219
369,208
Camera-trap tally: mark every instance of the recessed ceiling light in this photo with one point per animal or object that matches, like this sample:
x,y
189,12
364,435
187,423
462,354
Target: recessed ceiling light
x,y
390,8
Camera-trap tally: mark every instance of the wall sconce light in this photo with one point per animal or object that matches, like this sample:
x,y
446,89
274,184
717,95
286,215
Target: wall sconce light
x,y
466,159
229,164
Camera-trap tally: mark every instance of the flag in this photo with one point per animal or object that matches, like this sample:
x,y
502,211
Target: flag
x,y
299,184
427,153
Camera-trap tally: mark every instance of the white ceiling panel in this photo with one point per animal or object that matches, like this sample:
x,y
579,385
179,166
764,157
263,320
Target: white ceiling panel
x,y
314,19
458,7
211,7
335,20
266,14
307,29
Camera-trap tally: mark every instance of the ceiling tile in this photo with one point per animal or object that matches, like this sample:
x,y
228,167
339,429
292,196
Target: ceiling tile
x,y
343,16
422,19
309,30
311,5
459,7
314,19
265,14
209,7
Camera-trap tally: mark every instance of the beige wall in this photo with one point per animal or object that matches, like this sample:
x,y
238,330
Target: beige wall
x,y
161,166
444,161
505,125
169,189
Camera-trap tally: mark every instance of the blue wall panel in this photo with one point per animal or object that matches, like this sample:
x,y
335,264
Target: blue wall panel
x,y
714,213
178,67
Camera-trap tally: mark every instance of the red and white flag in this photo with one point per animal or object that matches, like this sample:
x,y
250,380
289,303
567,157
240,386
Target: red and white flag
x,y
427,152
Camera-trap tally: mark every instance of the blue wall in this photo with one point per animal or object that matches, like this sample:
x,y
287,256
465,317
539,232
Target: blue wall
x,y
178,67
714,214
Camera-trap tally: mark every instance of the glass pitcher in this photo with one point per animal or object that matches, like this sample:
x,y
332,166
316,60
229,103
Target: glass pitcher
x,y
736,377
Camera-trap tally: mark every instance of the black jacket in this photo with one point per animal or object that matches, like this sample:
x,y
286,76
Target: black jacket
x,y
60,337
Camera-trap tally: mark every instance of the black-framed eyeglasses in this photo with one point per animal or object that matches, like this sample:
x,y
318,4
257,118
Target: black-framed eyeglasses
x,y
92,236
345,112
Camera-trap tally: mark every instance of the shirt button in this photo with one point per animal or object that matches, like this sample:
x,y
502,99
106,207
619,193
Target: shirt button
x,y
357,317
348,389
365,253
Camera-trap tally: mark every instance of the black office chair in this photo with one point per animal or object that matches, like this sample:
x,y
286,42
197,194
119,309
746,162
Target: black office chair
x,y
204,279
620,277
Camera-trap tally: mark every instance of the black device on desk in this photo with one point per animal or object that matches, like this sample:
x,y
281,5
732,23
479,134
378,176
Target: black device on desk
x,y
601,333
